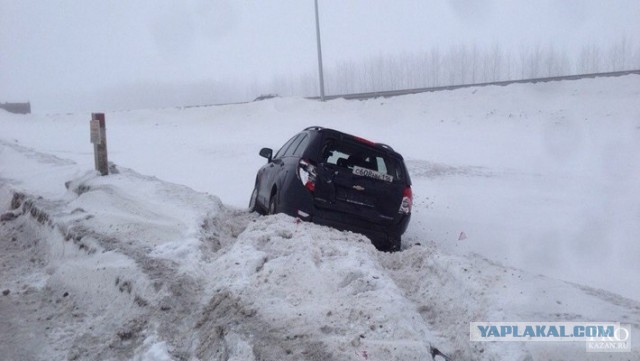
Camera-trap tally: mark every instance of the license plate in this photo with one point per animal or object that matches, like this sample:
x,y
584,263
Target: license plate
x,y
364,172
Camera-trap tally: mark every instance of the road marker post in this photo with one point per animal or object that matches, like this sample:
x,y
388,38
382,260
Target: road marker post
x,y
99,140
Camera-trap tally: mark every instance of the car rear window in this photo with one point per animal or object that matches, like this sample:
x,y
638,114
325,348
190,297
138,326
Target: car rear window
x,y
351,155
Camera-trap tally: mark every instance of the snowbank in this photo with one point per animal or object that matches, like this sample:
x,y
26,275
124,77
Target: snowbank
x,y
114,281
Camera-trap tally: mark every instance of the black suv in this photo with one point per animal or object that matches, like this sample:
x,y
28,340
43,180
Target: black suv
x,y
340,180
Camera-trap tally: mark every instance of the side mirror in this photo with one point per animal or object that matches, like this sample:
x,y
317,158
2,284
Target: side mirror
x,y
267,153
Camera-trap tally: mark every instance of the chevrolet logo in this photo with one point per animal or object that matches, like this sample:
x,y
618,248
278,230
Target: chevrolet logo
x,y
358,188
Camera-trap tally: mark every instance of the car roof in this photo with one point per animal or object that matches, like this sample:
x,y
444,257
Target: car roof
x,y
340,134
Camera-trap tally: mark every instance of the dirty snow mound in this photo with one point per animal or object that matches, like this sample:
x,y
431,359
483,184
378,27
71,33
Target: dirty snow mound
x,y
293,290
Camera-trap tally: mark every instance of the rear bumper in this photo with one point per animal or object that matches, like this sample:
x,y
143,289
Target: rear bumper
x,y
385,235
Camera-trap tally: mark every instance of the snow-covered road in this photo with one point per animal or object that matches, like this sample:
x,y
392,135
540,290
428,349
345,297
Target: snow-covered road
x,y
159,260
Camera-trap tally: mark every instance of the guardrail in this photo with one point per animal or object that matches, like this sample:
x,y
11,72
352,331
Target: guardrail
x,y
392,93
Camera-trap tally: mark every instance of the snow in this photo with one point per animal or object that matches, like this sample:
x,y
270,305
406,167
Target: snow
x,y
160,260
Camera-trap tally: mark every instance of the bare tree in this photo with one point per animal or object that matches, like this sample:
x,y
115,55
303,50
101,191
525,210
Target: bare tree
x,y
458,65
619,54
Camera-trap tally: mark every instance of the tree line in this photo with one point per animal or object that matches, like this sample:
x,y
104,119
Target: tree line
x,y
459,65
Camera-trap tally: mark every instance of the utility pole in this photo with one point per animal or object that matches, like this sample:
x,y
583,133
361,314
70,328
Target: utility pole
x,y
319,54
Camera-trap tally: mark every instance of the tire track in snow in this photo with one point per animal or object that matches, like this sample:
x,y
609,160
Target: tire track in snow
x,y
176,297
21,267
39,157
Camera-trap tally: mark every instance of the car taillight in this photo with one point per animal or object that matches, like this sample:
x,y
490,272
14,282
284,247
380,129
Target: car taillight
x,y
407,201
307,174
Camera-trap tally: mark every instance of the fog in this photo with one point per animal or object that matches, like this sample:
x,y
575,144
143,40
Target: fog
x,y
72,55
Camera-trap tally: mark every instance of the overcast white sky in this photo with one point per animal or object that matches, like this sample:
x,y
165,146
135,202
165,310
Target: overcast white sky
x,y
66,54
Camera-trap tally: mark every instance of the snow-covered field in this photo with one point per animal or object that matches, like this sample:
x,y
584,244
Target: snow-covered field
x,y
161,261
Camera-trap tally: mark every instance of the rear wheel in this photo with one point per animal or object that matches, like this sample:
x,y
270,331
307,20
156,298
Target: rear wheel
x,y
396,244
252,202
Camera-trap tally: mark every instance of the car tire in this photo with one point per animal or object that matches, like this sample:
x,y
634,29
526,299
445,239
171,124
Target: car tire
x,y
395,245
392,245
253,207
273,204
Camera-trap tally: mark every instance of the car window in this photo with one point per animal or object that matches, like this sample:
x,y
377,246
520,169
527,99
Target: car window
x,y
294,145
286,146
349,155
301,146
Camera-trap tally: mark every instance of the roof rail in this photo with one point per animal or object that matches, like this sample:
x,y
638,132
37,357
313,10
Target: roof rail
x,y
385,146
314,127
